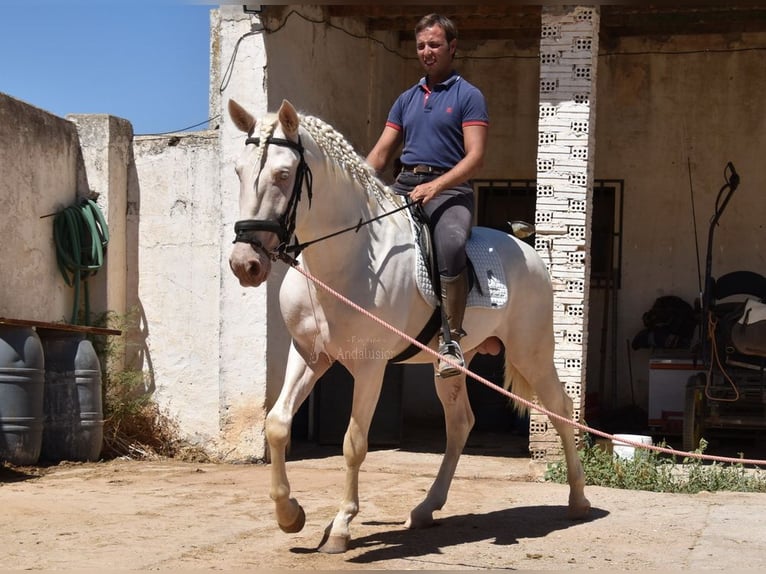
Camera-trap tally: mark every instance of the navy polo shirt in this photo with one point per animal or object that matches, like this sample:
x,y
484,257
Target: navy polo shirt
x,y
432,122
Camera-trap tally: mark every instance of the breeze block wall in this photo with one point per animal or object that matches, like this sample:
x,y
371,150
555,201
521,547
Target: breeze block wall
x,y
568,61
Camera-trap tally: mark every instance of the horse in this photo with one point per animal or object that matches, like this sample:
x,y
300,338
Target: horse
x,y
287,152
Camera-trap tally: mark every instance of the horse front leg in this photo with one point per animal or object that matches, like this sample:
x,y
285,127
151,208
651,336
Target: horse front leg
x,y
459,420
300,377
368,380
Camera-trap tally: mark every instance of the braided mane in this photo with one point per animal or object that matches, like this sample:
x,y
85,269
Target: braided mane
x,y
340,153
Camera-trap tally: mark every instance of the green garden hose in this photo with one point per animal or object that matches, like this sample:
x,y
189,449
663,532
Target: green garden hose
x,y
81,235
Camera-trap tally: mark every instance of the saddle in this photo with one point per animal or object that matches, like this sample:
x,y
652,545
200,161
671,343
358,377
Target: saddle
x,y
741,325
486,276
747,328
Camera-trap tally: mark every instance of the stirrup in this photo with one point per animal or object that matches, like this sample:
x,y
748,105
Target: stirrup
x,y
454,353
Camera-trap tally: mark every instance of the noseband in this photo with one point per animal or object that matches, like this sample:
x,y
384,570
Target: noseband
x,y
284,227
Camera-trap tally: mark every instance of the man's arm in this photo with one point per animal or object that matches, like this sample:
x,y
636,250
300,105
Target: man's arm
x,y
384,149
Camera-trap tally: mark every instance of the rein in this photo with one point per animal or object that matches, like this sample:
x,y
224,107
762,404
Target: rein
x,y
298,247
284,227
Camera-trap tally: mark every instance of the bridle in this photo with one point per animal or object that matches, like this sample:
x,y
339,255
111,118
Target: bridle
x,y
284,226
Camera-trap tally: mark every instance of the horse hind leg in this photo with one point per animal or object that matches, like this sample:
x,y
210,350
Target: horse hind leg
x,y
579,505
553,397
459,420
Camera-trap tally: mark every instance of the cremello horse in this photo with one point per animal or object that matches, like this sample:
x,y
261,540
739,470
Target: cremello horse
x,y
373,267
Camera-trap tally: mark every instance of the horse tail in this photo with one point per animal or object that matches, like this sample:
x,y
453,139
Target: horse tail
x,y
516,383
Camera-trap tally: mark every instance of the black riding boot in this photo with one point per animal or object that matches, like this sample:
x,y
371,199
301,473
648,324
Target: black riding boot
x,y
454,291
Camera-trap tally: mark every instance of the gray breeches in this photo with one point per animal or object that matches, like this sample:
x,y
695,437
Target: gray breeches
x,y
450,216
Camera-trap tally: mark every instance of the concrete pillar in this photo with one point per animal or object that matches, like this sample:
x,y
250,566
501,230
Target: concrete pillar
x,y
106,144
568,66
238,49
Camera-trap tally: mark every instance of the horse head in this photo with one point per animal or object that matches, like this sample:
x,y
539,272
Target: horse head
x,y
271,174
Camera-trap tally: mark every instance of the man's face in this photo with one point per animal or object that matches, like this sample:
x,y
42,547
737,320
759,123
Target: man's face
x,y
434,52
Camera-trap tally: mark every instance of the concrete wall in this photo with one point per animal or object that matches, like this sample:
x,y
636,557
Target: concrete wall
x,y
160,278
661,104
106,144
48,164
42,173
175,208
162,275
249,324
345,77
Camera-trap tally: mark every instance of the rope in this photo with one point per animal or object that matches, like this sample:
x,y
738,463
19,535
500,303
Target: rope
x,y
81,235
510,395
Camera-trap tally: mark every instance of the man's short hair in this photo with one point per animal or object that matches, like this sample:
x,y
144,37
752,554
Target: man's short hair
x,y
450,30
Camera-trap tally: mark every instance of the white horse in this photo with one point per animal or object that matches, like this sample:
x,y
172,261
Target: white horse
x,y
373,267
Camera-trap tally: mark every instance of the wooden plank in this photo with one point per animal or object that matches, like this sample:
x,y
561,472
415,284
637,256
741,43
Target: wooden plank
x,y
59,326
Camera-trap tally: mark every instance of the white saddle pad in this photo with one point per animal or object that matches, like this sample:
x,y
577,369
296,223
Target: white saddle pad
x,y
489,291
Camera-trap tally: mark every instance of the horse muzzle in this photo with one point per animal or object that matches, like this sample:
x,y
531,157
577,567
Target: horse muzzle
x,y
250,265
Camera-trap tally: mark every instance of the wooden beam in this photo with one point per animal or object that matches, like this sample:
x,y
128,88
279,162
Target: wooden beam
x,y
505,20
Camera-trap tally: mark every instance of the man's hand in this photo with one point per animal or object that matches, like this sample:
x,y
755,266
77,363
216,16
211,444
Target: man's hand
x,y
425,192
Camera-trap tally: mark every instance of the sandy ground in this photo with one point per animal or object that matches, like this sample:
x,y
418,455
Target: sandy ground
x,y
500,515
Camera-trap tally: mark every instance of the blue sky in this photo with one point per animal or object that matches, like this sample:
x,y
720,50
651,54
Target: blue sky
x,y
146,61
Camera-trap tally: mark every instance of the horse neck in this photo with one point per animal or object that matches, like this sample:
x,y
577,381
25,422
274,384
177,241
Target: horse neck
x,y
339,201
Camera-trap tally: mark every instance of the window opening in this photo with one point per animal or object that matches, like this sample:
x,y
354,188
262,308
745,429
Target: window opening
x,y
504,200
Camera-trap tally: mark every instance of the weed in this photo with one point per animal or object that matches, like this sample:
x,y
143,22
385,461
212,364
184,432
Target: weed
x,y
133,423
656,472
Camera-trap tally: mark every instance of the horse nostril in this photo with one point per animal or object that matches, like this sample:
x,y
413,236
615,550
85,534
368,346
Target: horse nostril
x,y
254,269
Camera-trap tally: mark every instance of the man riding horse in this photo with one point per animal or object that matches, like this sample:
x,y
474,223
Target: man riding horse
x,y
442,122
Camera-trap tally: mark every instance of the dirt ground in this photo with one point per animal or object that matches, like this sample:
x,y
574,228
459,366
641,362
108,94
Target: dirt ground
x,y
500,515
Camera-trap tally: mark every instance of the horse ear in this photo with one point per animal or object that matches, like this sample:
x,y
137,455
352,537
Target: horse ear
x,y
288,117
243,119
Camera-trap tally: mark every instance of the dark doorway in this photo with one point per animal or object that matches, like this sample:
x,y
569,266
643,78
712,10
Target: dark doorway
x,y
503,200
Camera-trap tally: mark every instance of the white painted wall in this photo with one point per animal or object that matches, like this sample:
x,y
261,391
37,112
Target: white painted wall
x,y
106,144
251,333
176,214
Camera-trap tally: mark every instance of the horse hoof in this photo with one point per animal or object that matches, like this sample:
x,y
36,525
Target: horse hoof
x,y
335,545
416,521
297,524
579,510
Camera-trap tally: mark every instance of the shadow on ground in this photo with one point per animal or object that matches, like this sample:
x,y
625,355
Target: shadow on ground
x,y
502,527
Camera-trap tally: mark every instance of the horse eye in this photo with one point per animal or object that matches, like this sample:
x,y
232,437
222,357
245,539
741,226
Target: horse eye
x,y
284,174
